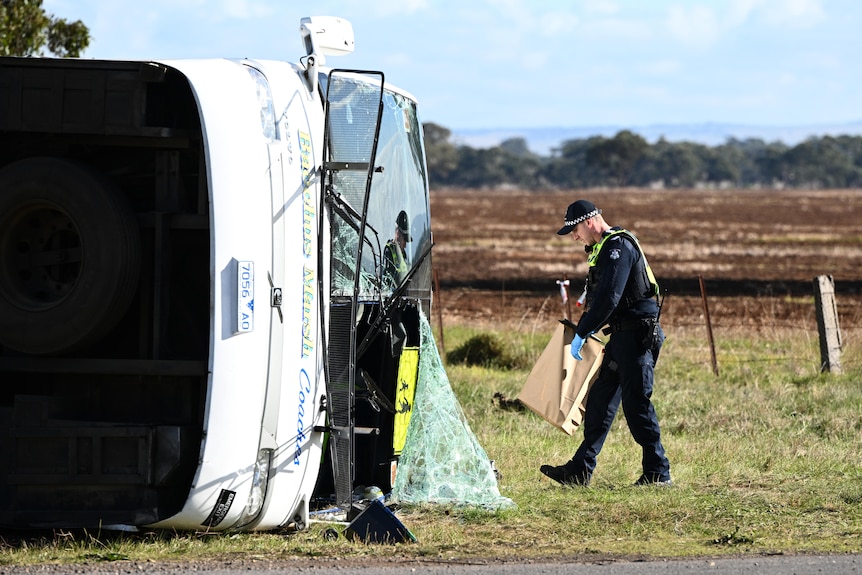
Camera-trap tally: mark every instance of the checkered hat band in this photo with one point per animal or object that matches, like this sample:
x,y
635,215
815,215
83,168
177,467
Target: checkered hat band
x,y
580,219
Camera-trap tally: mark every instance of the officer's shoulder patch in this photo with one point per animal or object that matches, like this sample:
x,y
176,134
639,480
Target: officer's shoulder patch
x,y
615,254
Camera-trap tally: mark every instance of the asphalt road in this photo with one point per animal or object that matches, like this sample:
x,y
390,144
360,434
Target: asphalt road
x,y
777,565
772,565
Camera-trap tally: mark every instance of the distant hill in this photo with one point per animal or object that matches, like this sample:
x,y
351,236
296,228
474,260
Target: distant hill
x,y
542,140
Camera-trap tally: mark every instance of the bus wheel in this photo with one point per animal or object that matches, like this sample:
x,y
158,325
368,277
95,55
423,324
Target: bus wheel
x,y
69,256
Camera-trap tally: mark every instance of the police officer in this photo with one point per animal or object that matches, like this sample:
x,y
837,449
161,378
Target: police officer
x,y
394,254
623,294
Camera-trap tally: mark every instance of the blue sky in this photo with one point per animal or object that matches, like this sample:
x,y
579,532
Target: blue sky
x,y
490,64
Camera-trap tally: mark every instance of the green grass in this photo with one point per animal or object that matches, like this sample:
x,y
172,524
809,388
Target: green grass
x,y
766,458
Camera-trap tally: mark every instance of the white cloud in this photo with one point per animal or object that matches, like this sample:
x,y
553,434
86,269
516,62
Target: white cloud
x,y
604,7
787,79
612,31
513,33
793,13
695,26
386,8
245,9
557,24
700,26
739,11
778,13
661,67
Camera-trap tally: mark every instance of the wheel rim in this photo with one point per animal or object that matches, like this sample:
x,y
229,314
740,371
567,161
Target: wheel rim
x,y
43,256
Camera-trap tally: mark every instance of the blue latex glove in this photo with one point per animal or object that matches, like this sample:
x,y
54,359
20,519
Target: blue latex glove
x,y
577,344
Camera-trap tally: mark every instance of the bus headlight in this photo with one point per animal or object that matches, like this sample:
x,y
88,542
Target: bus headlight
x,y
264,99
259,479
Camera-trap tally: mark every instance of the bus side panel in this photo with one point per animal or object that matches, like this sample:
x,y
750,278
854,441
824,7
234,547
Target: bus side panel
x,y
296,461
239,185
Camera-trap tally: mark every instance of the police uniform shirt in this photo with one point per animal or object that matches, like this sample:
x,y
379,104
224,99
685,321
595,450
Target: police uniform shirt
x,y
616,260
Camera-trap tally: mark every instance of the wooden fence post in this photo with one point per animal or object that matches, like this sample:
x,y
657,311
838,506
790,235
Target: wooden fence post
x,y
439,305
708,325
827,324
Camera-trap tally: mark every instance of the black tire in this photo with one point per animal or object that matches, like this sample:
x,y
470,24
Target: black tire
x,y
69,256
330,534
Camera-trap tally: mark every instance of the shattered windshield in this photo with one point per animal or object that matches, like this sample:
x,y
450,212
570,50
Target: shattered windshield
x,y
397,231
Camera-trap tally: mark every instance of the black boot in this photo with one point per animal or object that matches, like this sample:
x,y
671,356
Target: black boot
x,y
565,475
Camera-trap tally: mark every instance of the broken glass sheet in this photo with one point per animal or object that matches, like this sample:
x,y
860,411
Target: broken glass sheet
x,y
442,461
345,242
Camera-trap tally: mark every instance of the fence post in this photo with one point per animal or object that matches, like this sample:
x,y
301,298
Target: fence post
x,y
708,325
827,324
439,305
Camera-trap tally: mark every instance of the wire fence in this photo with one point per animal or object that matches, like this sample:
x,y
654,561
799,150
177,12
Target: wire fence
x,y
766,323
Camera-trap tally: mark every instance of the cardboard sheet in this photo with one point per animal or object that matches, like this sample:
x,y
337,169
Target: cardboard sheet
x,y
557,386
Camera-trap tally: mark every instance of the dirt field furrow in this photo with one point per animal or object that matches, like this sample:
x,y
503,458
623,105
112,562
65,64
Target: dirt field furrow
x,y
497,255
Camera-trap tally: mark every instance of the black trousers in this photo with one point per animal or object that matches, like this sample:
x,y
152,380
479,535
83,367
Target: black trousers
x,y
626,376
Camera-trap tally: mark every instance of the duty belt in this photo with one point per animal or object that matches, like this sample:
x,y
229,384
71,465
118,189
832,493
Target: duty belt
x,y
628,324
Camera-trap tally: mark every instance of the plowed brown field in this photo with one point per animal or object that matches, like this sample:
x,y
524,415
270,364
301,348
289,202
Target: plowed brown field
x,y
497,257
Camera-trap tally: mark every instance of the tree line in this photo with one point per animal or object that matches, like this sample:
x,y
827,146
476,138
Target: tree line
x,y
627,159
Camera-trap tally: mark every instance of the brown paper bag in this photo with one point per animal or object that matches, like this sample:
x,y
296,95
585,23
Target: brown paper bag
x,y
557,386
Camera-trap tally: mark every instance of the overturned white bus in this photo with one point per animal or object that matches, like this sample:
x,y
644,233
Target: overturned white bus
x,y
194,307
